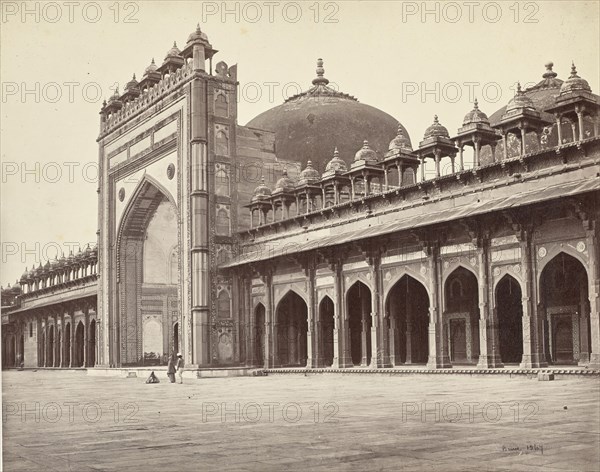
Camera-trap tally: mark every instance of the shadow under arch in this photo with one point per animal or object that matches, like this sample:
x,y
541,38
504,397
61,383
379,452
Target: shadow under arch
x,y
142,274
407,305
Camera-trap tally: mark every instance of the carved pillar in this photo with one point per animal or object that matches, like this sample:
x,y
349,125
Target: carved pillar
x,y
341,355
523,139
312,335
584,318
48,347
559,127
40,345
86,341
63,342
271,326
533,337
579,111
438,339
504,146
437,154
422,168
251,334
56,342
380,355
476,146
72,353
594,293
489,344
461,163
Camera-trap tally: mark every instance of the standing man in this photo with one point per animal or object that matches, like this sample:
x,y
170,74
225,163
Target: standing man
x,y
171,368
180,367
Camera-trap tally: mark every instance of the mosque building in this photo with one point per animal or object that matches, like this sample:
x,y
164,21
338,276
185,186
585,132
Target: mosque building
x,y
313,236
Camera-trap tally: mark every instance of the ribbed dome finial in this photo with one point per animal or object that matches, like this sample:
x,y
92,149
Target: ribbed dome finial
x,y
320,79
476,104
573,70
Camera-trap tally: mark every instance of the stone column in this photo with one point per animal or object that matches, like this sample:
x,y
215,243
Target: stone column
x,y
476,146
461,163
489,345
523,139
86,344
63,342
251,339
341,357
56,342
533,339
40,347
422,168
73,329
312,335
380,354
594,293
559,127
504,146
438,339
579,111
364,311
437,155
584,318
48,345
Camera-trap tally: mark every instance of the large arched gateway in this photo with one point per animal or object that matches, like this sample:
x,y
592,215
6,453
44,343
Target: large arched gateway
x,y
148,278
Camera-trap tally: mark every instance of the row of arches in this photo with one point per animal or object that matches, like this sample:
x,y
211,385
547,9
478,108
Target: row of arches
x,y
59,348
563,307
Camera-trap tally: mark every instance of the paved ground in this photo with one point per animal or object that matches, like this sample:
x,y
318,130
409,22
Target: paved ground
x,y
68,421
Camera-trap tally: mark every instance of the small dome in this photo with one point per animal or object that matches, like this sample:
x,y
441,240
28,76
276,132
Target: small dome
x,y
436,129
262,191
62,261
336,164
520,100
132,84
151,68
401,141
197,35
25,275
173,52
284,184
309,174
115,96
476,116
574,83
365,153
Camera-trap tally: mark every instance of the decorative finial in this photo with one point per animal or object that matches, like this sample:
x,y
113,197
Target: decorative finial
x,y
573,70
365,144
153,61
400,130
174,44
549,74
336,152
320,74
476,104
435,119
309,165
518,87
262,180
198,27
284,173
134,76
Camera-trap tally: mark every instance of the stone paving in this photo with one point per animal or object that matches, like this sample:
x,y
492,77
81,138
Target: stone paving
x,y
70,421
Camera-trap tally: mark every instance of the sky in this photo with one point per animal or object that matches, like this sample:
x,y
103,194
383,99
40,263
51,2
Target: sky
x,y
59,60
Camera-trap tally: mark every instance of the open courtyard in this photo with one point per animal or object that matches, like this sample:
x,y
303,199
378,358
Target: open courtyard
x,y
70,421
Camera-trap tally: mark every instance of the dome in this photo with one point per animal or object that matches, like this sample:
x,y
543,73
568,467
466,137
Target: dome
x,y
336,164
574,83
309,174
365,153
519,101
308,124
197,35
476,116
25,275
543,95
151,68
400,142
436,129
115,96
261,192
284,184
173,52
132,84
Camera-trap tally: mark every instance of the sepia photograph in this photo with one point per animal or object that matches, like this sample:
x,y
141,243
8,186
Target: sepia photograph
x,y
300,236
